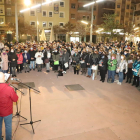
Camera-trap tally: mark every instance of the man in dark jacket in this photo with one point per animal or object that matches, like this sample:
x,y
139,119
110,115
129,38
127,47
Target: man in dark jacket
x,y
32,58
13,62
7,97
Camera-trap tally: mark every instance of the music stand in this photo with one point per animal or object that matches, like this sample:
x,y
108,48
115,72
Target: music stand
x,y
17,113
31,121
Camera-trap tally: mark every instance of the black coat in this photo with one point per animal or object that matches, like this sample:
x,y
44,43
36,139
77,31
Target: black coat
x,y
103,61
95,59
88,59
83,57
32,55
11,57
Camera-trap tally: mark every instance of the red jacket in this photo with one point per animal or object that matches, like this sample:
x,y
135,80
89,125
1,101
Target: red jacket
x,y
20,58
7,97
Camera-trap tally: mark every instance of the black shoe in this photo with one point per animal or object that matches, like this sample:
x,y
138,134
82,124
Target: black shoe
x,y
12,75
25,71
47,71
129,81
100,79
15,76
33,69
28,71
126,81
137,85
103,81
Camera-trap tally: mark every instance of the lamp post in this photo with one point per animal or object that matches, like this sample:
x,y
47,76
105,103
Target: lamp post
x,y
16,20
91,4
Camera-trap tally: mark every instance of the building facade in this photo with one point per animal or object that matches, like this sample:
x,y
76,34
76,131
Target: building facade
x,y
47,16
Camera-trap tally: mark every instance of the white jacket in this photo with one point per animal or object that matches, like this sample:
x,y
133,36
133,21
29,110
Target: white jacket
x,y
39,59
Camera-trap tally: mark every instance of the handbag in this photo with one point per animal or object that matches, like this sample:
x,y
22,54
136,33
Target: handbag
x,y
117,70
66,65
94,67
56,62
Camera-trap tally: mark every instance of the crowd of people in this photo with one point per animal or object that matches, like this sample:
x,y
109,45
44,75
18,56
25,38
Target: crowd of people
x,y
114,61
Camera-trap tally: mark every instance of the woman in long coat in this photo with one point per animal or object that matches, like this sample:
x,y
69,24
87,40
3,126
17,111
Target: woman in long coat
x,y
5,61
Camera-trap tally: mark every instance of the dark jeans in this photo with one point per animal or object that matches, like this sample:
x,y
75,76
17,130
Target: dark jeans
x,y
19,67
64,69
76,71
124,75
55,67
111,75
102,74
8,126
136,80
129,74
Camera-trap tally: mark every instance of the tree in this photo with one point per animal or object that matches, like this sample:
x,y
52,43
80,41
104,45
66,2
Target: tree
x,y
109,24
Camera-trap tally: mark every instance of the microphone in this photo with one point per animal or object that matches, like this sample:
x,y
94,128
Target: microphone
x,y
15,79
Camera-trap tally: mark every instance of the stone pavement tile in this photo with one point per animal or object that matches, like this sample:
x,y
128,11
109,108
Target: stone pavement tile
x,y
127,132
101,134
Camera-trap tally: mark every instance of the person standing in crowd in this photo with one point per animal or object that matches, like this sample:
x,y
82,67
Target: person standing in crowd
x,y
136,67
19,61
75,62
7,97
65,60
0,63
5,61
95,62
103,66
123,67
130,64
112,64
26,61
88,61
39,60
83,63
32,58
13,62
56,58
47,56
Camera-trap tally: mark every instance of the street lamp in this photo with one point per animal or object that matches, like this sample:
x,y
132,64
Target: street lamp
x,y
27,2
91,27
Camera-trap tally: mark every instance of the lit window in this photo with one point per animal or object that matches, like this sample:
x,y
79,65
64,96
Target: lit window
x,y
32,23
61,14
32,13
44,24
50,14
72,6
44,13
50,24
61,4
61,24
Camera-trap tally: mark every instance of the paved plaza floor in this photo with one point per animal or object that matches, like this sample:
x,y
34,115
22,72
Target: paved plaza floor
x,y
101,111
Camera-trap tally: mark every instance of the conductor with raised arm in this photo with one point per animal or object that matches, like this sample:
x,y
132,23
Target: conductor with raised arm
x,y
7,97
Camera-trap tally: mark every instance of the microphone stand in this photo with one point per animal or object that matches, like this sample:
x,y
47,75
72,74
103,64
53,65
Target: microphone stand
x,y
18,112
31,121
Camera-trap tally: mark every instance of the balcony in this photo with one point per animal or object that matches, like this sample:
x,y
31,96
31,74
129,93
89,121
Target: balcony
x,y
84,9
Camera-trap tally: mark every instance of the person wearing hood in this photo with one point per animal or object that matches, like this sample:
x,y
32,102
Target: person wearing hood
x,y
5,61
26,61
7,97
56,58
13,62
39,59
32,58
65,60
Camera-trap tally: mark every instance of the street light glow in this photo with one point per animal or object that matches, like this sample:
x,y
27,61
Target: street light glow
x,y
136,28
92,3
84,22
27,2
38,5
99,30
